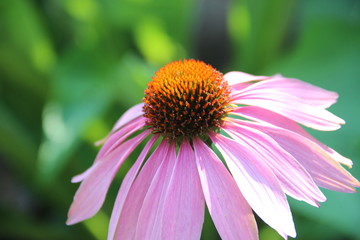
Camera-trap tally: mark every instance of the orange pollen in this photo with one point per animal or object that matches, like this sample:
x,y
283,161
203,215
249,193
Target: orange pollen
x,y
186,98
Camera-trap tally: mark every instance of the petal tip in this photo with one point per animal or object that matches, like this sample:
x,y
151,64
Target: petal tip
x,y
357,184
100,142
70,221
76,179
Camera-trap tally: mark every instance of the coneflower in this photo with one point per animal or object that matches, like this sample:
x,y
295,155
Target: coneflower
x,y
190,107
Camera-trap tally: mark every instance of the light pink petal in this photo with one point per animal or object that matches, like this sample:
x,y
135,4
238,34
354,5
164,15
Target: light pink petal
x,y
116,138
92,191
112,142
80,177
132,113
126,226
293,178
149,223
289,106
184,204
266,116
241,77
325,171
241,80
258,184
335,155
126,186
174,205
309,93
229,210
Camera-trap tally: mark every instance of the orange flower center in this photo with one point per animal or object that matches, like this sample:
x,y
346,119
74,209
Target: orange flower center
x,y
186,98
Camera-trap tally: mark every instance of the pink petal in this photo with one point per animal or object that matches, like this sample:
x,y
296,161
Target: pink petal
x,y
325,171
266,116
294,179
149,223
116,138
289,106
241,80
92,191
126,186
126,226
241,77
80,177
132,113
184,204
229,210
258,184
309,93
176,190
335,155
112,142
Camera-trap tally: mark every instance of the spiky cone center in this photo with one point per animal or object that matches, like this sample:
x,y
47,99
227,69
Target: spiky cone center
x,y
186,99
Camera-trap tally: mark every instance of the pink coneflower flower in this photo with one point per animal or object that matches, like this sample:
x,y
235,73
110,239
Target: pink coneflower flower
x,y
253,122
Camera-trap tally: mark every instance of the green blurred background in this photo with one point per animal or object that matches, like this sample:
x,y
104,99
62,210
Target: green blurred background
x,y
70,68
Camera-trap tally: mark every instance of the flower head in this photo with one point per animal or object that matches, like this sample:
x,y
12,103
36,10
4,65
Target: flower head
x,y
252,120
186,99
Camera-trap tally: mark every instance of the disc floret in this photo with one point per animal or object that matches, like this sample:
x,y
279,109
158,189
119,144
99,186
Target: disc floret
x,y
186,98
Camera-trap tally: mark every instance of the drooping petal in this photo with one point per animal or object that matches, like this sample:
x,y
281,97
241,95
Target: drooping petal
x,y
325,171
179,209
132,113
289,106
112,142
92,191
293,178
184,204
258,184
118,137
229,210
149,223
266,116
127,222
126,186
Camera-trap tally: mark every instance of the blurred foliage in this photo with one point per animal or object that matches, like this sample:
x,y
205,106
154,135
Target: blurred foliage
x,y
70,68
